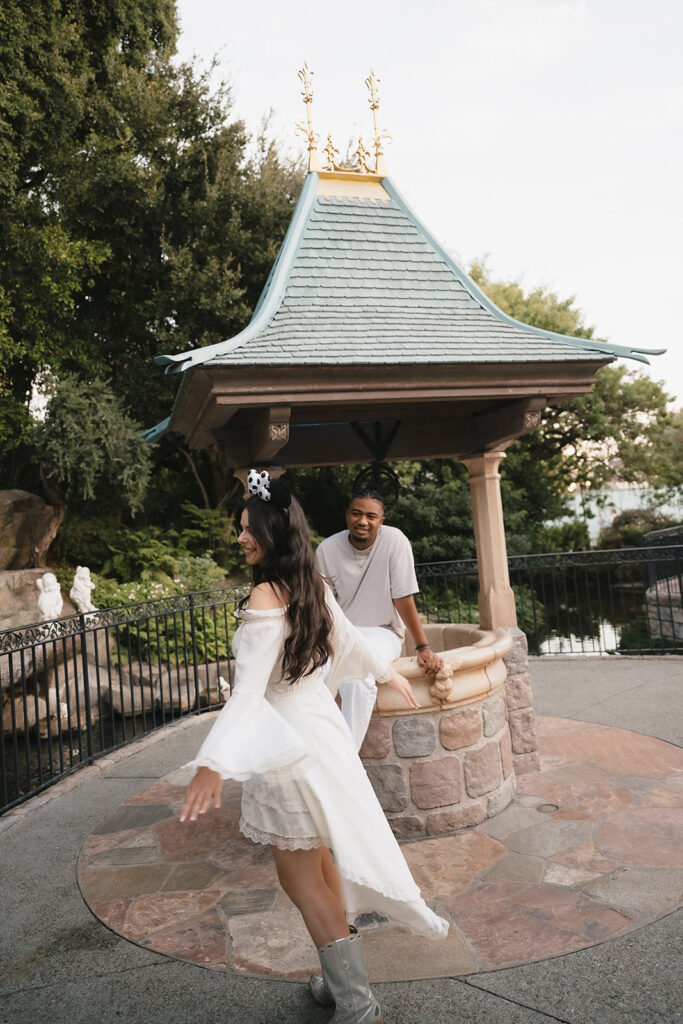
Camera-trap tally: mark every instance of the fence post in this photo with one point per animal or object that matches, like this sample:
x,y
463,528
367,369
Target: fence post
x,y
86,688
651,563
195,666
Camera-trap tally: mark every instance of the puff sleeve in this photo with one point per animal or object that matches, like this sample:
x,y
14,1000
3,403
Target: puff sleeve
x,y
249,737
353,657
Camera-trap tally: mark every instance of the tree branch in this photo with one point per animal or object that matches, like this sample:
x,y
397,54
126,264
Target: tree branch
x,y
195,474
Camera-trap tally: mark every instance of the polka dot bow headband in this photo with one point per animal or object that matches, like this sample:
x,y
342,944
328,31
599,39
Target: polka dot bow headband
x,y
261,485
258,484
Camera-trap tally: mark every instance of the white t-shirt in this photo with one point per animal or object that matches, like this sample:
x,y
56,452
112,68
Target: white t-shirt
x,y
365,582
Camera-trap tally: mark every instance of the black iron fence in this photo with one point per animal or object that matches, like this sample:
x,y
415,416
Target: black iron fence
x,y
625,601
667,538
78,687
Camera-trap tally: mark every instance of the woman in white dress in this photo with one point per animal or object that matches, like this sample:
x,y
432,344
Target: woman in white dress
x,y
306,793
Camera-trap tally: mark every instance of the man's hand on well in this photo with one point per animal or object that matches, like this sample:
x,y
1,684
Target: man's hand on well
x,y
429,662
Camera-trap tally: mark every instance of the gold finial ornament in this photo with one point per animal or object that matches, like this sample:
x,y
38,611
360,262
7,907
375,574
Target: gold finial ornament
x,y
330,152
307,129
372,82
362,155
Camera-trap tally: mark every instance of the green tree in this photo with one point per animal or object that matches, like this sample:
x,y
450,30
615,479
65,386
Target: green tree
x,y
622,429
434,510
134,220
615,432
88,448
54,59
670,455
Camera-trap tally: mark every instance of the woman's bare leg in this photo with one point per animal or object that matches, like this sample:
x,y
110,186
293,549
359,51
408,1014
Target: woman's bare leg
x,y
301,876
330,875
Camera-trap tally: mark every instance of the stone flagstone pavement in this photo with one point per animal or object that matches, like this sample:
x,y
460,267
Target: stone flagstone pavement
x,y
592,848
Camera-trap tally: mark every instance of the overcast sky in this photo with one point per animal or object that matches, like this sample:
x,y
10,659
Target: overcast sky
x,y
547,134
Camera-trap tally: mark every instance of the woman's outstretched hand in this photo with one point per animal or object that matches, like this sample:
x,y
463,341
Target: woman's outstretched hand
x,y
401,685
204,790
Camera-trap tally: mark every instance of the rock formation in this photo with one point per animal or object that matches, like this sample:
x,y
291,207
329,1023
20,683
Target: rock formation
x,y
28,526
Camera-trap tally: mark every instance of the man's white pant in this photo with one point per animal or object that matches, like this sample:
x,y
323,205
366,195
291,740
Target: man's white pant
x,y
358,696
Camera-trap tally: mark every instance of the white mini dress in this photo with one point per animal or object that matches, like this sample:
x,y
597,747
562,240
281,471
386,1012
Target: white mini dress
x,y
304,785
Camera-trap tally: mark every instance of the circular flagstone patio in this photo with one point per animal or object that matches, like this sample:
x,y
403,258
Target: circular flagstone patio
x,y
591,848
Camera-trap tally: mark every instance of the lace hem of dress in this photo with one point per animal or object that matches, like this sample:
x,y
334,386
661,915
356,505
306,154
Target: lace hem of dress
x,y
257,835
438,930
433,927
400,895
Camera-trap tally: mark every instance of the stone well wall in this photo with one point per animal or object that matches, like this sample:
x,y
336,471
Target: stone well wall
x,y
519,700
439,771
445,768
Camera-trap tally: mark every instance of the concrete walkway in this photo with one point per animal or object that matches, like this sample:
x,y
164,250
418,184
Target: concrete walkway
x,y
58,963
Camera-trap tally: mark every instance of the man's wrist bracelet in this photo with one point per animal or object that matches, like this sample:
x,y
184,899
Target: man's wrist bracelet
x,y
420,647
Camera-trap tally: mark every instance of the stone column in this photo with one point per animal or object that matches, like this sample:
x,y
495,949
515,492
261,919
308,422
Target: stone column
x,y
497,606
496,600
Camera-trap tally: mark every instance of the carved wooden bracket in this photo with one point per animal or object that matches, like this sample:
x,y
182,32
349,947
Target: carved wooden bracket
x,y
270,433
493,429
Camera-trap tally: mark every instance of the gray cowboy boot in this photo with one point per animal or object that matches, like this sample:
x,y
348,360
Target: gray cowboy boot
x,y
316,983
347,982
319,990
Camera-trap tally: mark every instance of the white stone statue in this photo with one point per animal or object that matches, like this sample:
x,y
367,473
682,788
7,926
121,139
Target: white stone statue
x,y
81,590
50,601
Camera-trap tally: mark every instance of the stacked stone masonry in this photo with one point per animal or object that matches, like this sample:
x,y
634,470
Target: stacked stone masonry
x,y
442,770
520,708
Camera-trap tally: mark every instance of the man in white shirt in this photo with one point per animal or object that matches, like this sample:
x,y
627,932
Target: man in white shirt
x,y
371,569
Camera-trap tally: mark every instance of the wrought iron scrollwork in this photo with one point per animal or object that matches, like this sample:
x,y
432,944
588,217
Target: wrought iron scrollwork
x,y
380,477
40,633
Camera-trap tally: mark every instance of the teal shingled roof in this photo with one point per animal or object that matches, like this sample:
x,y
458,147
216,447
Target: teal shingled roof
x,y
362,281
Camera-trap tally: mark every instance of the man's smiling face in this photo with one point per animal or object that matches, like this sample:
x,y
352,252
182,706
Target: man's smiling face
x,y
364,516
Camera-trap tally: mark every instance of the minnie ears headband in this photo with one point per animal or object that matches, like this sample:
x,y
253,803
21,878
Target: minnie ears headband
x,y
261,485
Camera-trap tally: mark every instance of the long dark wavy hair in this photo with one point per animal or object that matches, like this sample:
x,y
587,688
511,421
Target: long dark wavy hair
x,y
289,562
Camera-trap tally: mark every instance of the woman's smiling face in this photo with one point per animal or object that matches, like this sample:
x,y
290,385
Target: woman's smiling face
x,y
253,552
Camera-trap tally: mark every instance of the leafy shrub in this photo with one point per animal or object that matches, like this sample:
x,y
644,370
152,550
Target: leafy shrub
x,y
449,599
628,529
530,611
174,639
636,637
153,563
168,571
86,541
568,536
215,529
